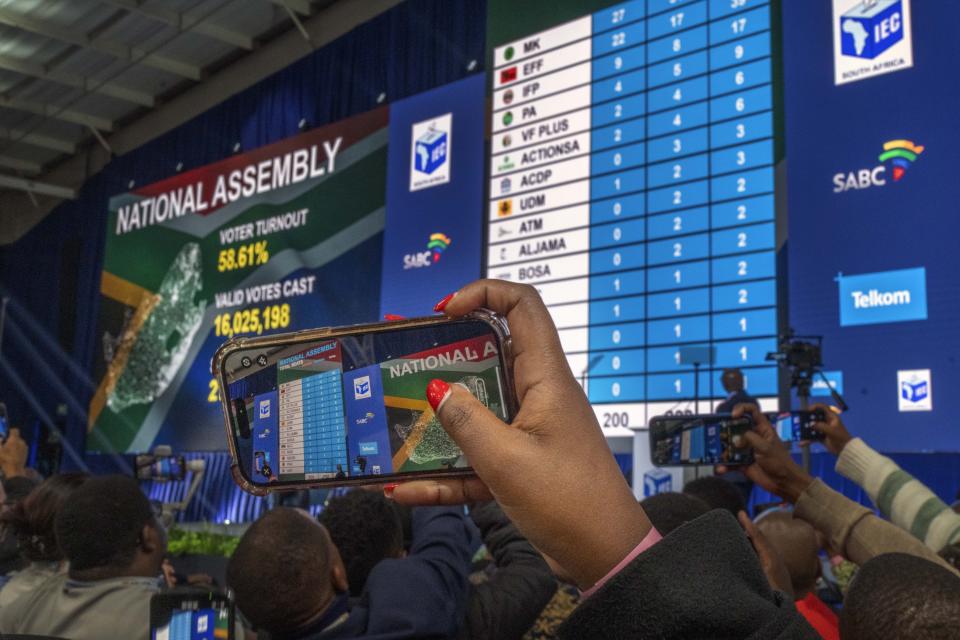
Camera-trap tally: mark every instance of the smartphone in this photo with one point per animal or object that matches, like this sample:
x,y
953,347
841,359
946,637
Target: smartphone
x,y
699,439
335,407
162,468
4,424
794,426
190,614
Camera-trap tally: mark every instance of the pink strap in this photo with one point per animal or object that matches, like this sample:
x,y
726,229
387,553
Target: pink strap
x,y
653,537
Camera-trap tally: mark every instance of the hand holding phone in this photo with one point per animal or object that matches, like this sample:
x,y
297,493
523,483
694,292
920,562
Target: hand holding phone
x,y
773,468
799,426
831,428
553,457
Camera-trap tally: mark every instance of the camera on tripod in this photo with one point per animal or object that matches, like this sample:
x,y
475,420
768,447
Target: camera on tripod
x,y
798,354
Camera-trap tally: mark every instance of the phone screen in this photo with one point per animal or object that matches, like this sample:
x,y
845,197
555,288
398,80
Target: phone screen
x,y
176,616
4,428
355,406
795,426
162,468
693,440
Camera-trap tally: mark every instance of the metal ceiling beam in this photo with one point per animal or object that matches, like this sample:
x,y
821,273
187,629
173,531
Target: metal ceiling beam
x,y
115,49
32,186
184,22
38,140
20,164
300,6
76,81
52,111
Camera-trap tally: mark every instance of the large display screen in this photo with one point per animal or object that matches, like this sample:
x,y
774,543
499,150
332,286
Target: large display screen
x,y
631,180
295,235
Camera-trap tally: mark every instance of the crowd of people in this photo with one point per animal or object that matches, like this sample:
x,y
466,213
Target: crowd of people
x,y
547,540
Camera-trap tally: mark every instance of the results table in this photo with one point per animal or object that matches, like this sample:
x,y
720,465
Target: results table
x,y
632,182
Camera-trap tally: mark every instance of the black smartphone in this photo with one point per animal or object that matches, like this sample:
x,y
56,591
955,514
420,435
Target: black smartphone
x,y
162,468
190,614
334,407
794,426
699,439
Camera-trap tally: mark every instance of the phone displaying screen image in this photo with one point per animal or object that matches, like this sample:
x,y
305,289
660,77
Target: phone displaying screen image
x,y
794,426
162,468
696,440
187,614
4,425
348,406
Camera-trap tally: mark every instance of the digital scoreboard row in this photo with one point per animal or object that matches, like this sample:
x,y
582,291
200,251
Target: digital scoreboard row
x,y
632,182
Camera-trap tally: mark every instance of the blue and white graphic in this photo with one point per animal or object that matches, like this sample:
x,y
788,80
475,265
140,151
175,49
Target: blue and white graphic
x,y
657,481
361,388
885,296
915,391
430,153
871,37
264,409
819,387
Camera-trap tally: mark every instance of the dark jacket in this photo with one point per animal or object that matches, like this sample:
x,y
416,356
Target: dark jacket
x,y
421,596
507,604
701,581
740,397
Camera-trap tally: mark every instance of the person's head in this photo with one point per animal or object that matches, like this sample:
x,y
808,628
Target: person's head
x,y
32,519
107,529
796,542
366,528
667,511
732,380
896,596
285,571
717,493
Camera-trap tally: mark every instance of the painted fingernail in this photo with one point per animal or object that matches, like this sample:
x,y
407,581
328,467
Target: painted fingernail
x,y
440,306
388,489
392,317
437,390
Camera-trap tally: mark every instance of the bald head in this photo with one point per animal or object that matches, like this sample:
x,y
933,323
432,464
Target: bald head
x,y
732,380
796,542
285,571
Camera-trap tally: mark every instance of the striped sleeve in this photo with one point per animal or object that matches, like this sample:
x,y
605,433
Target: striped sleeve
x,y
906,501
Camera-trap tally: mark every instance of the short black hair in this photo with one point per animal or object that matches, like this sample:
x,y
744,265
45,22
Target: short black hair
x,y
366,528
717,493
669,510
280,570
100,525
32,519
898,596
951,553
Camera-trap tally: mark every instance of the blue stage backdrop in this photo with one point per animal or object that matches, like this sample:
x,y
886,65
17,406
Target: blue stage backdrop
x,y
873,260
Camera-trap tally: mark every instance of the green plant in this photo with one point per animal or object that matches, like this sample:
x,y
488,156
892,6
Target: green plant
x,y
181,542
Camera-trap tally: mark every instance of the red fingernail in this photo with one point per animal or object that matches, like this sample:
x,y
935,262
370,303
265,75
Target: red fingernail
x,y
440,306
392,317
437,390
388,489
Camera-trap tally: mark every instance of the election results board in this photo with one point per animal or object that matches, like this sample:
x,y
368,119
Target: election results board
x,y
631,180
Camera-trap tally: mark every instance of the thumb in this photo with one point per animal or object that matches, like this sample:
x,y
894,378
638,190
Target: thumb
x,y
483,437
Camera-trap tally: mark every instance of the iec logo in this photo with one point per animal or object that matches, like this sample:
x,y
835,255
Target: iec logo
x,y
871,28
915,390
264,409
436,245
361,388
657,481
885,296
431,151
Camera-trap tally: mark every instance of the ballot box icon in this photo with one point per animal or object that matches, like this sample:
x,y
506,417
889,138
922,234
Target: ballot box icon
x,y
657,481
914,391
871,27
431,151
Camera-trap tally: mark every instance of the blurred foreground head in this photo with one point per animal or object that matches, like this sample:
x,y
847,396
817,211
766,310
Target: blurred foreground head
x,y
796,542
896,596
